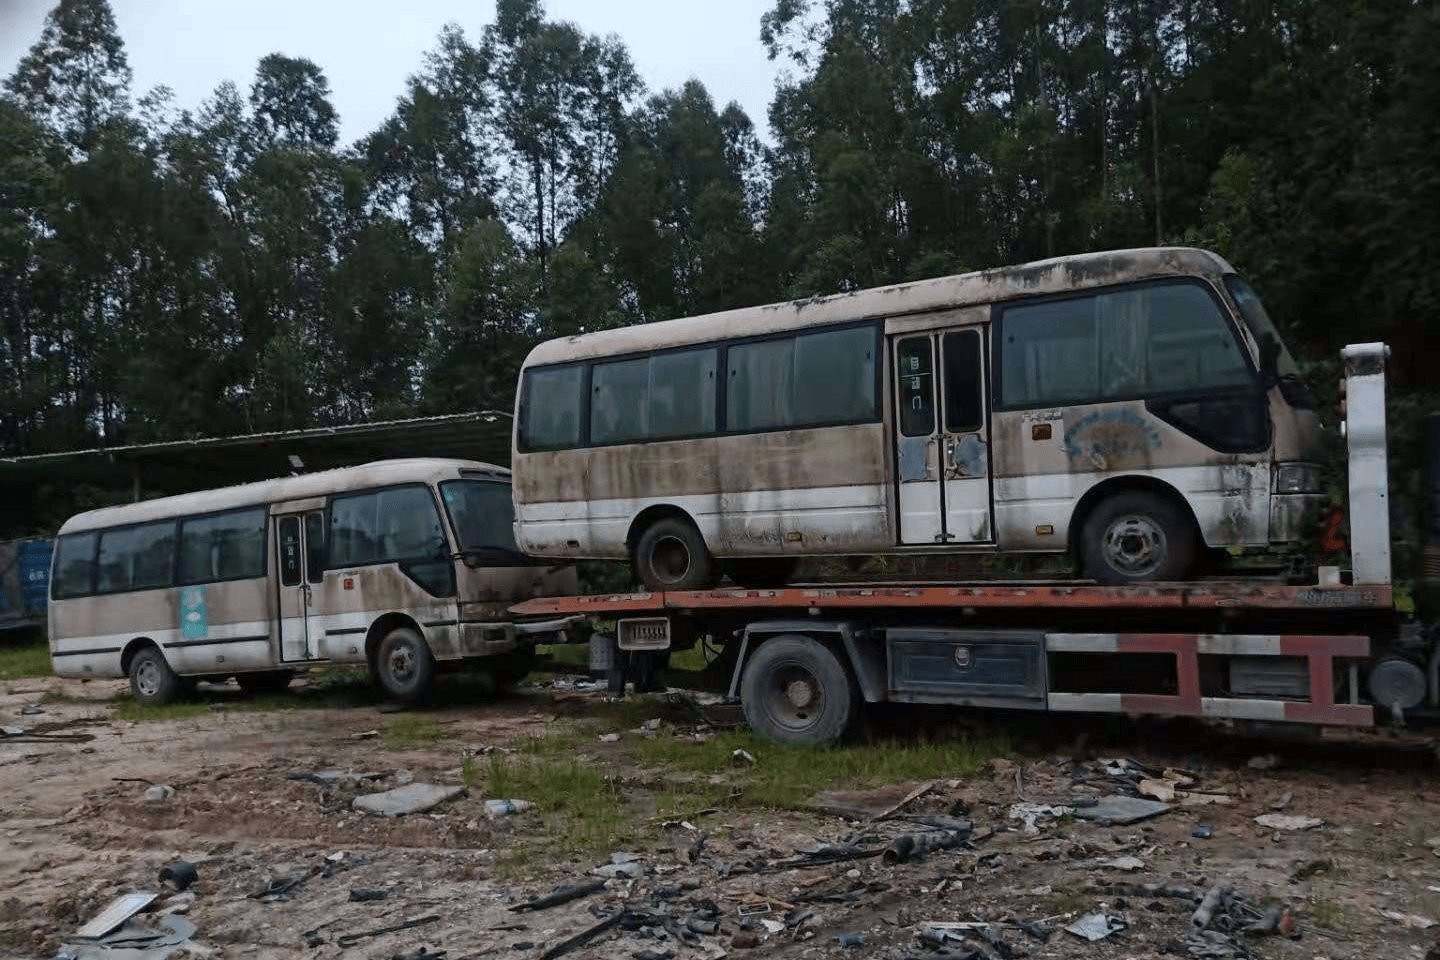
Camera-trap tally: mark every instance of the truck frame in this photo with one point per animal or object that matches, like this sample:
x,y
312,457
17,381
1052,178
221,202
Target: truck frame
x,y
801,660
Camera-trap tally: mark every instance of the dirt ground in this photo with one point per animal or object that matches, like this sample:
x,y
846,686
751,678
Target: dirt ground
x,y
76,831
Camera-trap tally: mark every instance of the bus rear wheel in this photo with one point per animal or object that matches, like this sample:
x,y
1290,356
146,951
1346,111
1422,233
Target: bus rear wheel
x,y
1137,537
404,667
671,555
796,692
151,679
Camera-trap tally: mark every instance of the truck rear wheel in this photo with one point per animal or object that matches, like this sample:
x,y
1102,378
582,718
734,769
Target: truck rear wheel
x,y
796,692
404,666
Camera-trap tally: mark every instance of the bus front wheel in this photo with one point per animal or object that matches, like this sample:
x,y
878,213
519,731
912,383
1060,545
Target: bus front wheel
x,y
404,666
151,679
1137,537
671,555
796,692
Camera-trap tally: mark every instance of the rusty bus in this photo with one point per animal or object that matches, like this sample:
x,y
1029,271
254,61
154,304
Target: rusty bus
x,y
403,566
1135,407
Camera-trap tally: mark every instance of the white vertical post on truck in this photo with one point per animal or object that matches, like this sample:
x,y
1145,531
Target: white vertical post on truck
x,y
1368,467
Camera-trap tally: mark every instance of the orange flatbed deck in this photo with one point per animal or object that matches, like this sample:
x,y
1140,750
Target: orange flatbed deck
x,y
1196,595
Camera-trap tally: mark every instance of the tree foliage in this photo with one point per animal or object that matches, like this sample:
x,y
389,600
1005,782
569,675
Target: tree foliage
x,y
232,267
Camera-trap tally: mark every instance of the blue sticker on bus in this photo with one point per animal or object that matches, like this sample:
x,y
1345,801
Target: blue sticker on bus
x,y
193,623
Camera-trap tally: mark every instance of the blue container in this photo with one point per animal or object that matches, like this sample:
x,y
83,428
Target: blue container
x,y
34,571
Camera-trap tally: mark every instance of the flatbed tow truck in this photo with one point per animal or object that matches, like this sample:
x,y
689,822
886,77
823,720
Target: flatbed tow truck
x,y
802,659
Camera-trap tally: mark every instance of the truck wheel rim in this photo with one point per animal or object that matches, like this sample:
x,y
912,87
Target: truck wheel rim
x,y
1135,545
147,678
795,697
671,559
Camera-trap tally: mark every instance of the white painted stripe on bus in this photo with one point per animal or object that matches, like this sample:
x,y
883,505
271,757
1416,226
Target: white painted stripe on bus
x,y
1082,642
244,628
602,526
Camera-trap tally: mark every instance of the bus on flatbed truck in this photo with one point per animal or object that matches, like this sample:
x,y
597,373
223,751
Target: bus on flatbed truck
x,y
803,659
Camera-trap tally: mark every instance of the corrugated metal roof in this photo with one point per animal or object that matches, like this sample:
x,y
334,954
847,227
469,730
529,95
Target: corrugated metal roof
x,y
176,466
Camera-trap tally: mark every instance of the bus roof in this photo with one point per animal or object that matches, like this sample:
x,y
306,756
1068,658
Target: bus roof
x,y
985,286
320,483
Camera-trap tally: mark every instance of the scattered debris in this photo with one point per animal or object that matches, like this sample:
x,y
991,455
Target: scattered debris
x,y
350,938
1162,790
122,908
851,940
909,847
1202,832
1206,800
609,738
410,798
1030,813
622,866
1128,864
365,735
1285,821
1282,801
180,874
878,804
31,709
159,793
742,758
1412,920
1309,869
561,894
504,808
1122,811
1098,926
131,941
1266,761
651,725
367,894
276,889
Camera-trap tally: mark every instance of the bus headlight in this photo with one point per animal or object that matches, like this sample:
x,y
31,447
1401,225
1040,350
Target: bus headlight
x,y
1297,478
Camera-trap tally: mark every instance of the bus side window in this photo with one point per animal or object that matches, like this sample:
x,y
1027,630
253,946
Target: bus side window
x,y
289,551
964,407
917,392
315,546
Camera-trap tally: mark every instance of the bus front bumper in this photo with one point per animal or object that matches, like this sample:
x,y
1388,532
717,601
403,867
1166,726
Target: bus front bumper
x,y
488,639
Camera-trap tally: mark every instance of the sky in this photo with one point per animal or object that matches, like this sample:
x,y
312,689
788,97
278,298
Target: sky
x,y
368,47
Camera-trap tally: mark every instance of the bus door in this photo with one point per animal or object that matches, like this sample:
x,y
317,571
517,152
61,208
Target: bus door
x,y
941,436
299,549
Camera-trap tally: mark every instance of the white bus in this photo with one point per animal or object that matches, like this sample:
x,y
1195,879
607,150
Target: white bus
x,y
403,566
1134,407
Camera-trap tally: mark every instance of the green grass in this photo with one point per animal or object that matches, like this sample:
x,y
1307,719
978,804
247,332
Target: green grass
x,y
20,663
787,777
413,731
581,807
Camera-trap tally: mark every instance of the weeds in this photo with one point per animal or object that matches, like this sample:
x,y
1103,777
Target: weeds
x,y
413,731
582,807
21,663
787,777
1325,913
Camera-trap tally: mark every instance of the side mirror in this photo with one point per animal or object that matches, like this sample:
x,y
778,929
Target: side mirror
x,y
1269,360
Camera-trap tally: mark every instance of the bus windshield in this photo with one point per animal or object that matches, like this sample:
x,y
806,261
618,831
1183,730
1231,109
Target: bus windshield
x,y
1261,327
482,517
